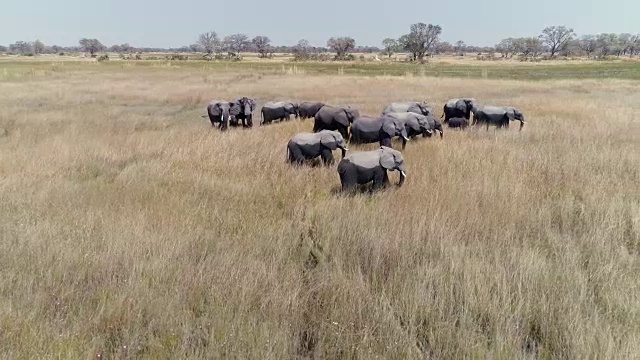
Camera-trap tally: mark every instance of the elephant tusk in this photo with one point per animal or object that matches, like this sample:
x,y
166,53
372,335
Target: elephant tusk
x,y
406,138
404,175
345,149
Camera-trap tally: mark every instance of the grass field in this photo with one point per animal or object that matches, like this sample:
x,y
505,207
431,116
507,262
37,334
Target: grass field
x,y
52,66
130,228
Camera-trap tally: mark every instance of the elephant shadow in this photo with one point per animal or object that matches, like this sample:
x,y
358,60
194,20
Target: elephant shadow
x,y
365,189
312,163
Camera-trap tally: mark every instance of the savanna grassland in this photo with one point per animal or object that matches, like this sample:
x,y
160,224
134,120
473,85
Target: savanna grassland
x,y
130,228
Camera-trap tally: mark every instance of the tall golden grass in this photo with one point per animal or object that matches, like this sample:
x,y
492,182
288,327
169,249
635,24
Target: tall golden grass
x,y
130,228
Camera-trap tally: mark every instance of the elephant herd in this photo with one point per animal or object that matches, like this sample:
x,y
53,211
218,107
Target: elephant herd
x,y
334,126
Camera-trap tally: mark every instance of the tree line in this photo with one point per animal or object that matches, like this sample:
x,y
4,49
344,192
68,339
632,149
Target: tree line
x,y
422,40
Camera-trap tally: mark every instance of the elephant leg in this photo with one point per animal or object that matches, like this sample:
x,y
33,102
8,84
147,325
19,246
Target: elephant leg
x,y
386,141
327,156
250,121
348,176
380,179
295,155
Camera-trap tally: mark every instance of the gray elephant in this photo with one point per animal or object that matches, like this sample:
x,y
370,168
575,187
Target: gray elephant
x,y
278,110
360,168
335,118
459,108
221,111
306,146
498,116
417,124
366,130
412,106
245,114
458,122
309,109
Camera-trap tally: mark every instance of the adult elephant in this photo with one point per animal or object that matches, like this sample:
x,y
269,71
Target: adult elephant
x,y
366,166
278,110
306,146
335,118
411,106
417,124
309,109
499,116
245,114
221,111
459,108
366,130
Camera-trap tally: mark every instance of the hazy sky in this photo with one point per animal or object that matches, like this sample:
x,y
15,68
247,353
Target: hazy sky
x,y
174,23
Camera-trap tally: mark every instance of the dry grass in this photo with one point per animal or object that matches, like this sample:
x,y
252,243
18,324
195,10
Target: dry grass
x,y
131,228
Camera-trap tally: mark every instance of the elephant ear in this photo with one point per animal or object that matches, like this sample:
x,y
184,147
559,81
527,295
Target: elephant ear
x,y
461,105
328,140
342,117
252,103
387,160
235,108
414,124
388,126
511,114
214,109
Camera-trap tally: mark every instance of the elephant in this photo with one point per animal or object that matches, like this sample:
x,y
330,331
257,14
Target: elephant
x,y
459,108
281,110
309,109
311,145
413,107
362,167
365,130
458,122
417,124
499,116
245,114
221,111
335,118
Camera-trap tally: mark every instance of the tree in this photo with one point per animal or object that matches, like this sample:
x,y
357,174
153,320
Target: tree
x,y
194,47
390,46
236,43
301,50
421,39
342,46
442,47
588,44
20,47
528,47
92,46
507,47
556,38
459,47
634,45
38,47
261,43
607,44
3,49
209,43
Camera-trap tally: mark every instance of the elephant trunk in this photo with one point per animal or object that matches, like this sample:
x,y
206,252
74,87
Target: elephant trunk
x,y
344,151
403,177
521,124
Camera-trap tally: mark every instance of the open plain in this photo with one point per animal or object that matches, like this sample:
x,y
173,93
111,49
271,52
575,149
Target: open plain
x,y
129,227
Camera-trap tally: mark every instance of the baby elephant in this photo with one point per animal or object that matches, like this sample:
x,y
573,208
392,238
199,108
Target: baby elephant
x,y
365,166
458,122
306,146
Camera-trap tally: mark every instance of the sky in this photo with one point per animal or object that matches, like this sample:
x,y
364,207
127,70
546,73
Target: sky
x,y
176,23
